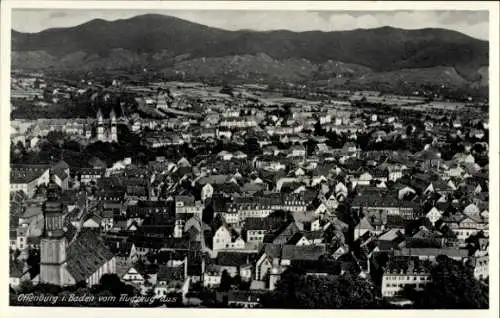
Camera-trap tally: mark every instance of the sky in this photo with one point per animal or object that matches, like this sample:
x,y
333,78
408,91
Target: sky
x,y
472,23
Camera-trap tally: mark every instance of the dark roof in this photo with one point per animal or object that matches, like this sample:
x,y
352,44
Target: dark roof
x,y
406,265
25,175
282,235
373,200
293,252
396,221
267,223
180,244
61,174
86,254
234,258
61,165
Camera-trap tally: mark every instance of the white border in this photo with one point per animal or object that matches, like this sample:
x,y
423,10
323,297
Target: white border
x,y
7,5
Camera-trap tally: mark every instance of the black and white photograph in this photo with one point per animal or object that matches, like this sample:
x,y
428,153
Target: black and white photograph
x,y
333,158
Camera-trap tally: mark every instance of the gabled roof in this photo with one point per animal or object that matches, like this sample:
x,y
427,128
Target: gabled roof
x,y
86,254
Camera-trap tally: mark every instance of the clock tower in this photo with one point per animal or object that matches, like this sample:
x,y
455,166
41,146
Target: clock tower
x,y
53,243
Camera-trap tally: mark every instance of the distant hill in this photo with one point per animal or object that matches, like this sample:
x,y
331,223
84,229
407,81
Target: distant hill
x,y
174,45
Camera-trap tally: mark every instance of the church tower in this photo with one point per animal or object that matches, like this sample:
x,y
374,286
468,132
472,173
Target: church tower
x,y
114,133
100,126
53,243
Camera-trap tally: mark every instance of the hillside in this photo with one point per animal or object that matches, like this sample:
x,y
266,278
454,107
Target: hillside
x,y
171,44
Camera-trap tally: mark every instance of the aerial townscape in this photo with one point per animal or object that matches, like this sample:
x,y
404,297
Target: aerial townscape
x,y
212,183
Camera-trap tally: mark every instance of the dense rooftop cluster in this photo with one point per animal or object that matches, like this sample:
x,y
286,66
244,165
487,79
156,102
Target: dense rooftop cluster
x,y
233,199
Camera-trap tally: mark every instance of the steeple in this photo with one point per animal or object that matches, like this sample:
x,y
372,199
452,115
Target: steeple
x,y
53,210
114,132
53,244
112,116
100,125
99,117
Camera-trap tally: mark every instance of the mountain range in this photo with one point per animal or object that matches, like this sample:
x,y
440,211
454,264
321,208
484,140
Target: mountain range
x,y
175,46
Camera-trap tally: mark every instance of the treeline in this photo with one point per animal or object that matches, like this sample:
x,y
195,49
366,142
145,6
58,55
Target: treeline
x,y
453,286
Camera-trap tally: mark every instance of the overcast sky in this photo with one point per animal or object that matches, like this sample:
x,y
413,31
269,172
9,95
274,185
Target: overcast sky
x,y
473,23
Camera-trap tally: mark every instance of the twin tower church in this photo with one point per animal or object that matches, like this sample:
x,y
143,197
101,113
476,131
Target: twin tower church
x,y
107,132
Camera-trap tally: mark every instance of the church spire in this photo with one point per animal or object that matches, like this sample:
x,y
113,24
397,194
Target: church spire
x,y
53,209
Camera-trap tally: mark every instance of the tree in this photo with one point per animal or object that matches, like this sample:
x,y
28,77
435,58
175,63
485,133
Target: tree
x,y
26,286
225,281
296,290
453,286
113,284
318,129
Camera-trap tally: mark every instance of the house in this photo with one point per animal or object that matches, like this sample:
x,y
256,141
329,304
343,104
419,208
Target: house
x,y
88,175
363,227
405,271
465,225
134,275
251,206
370,203
28,178
283,255
212,276
434,215
236,263
394,173
107,219
207,192
226,237
188,205
256,228
93,221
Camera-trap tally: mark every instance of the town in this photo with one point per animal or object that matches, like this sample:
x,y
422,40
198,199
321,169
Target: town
x,y
215,195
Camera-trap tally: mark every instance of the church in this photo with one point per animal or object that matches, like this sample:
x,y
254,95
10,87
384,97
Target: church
x,y
68,255
107,133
